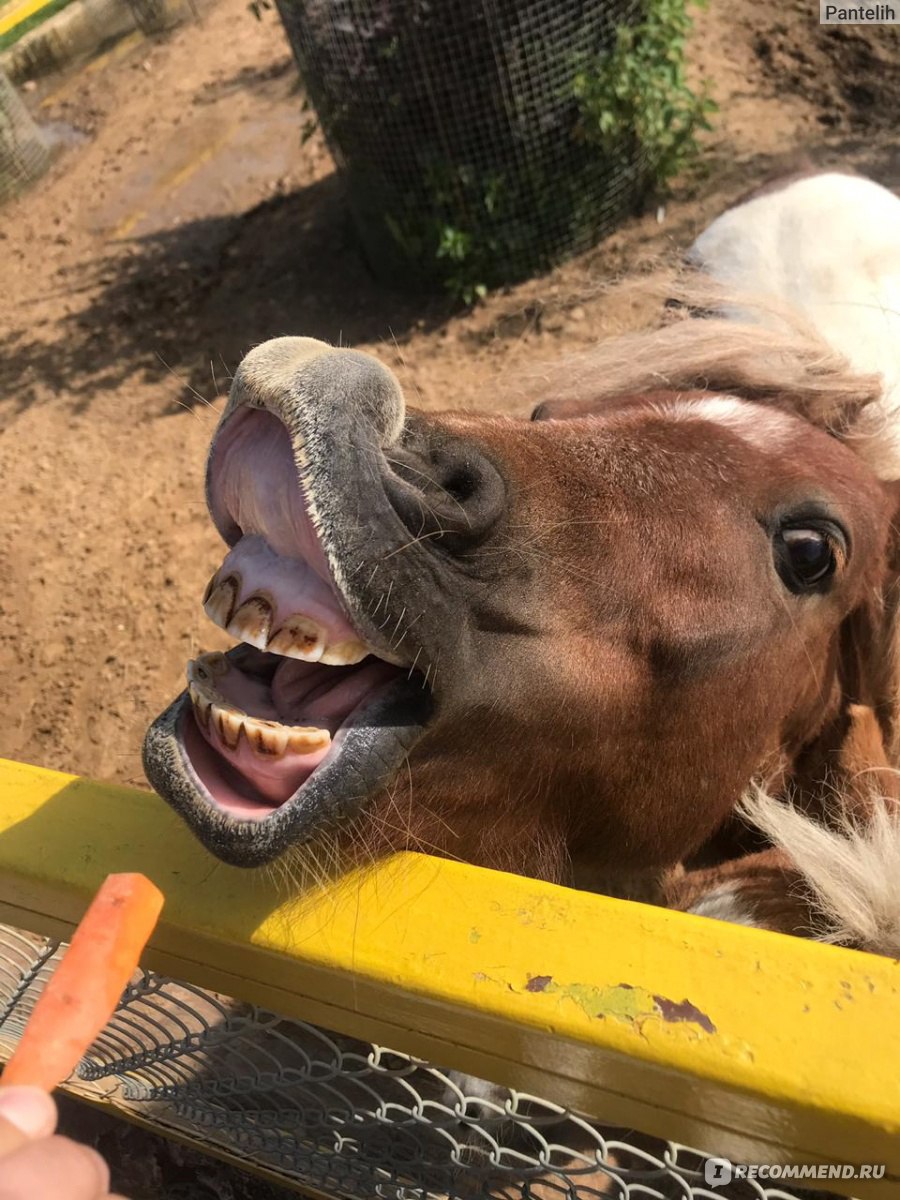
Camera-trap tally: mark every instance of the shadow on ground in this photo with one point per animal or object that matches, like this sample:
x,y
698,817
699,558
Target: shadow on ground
x,y
182,306
192,299
147,1166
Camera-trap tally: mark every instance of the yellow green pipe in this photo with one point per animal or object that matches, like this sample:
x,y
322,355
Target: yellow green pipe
x,y
15,15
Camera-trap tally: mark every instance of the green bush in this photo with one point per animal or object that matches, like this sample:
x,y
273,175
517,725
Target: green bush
x,y
639,94
481,143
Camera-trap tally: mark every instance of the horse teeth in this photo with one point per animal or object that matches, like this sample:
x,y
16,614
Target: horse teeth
x,y
298,637
251,621
216,662
306,741
201,706
219,604
206,667
202,675
228,724
270,740
344,654
266,740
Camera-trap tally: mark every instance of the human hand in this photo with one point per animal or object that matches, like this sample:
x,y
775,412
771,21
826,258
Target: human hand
x,y
34,1164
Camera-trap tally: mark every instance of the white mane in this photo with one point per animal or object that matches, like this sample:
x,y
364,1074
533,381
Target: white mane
x,y
852,867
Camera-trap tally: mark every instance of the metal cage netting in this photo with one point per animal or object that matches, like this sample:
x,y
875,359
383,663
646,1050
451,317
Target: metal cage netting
x,y
24,155
460,133
346,1118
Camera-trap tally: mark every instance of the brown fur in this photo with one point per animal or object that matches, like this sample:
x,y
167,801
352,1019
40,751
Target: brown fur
x,y
613,657
626,671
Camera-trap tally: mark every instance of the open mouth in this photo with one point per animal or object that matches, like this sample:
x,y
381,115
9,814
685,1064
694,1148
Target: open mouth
x,y
261,725
302,720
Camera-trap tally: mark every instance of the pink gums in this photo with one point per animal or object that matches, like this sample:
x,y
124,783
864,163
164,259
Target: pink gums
x,y
208,756
292,588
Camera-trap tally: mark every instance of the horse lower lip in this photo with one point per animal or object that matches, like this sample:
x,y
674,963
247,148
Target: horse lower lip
x,y
238,823
240,769
262,738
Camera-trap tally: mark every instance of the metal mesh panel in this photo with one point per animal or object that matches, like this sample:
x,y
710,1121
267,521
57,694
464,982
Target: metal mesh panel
x,y
23,152
350,1119
459,129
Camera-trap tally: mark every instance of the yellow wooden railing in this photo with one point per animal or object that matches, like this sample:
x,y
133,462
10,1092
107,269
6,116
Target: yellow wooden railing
x,y
12,15
748,1044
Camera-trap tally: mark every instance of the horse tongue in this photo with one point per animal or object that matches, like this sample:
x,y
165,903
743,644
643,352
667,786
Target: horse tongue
x,y
324,698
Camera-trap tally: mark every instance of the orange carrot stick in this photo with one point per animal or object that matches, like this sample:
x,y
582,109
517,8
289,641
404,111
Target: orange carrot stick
x,y
85,988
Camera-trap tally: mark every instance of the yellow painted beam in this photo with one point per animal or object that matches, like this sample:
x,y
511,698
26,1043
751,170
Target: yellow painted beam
x,y
753,1045
16,14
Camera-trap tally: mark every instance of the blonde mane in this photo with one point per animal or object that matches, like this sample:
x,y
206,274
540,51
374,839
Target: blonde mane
x,y
765,351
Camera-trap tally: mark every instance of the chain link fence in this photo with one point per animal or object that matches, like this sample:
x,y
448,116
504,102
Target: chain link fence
x,y
460,131
351,1120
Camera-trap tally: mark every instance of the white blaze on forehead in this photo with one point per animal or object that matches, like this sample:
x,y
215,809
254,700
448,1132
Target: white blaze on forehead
x,y
760,426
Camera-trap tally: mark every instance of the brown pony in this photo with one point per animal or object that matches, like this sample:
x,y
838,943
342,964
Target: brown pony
x,y
644,642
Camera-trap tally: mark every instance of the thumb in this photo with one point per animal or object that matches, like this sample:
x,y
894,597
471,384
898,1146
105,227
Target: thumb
x,y
26,1113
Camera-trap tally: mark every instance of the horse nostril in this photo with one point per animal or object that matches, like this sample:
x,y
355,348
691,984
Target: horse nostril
x,y
461,484
451,494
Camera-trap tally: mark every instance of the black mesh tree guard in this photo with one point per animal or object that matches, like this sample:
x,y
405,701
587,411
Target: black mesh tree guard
x,y
24,155
459,130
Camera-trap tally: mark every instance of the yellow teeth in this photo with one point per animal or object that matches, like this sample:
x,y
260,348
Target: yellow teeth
x,y
202,707
268,739
306,741
344,654
220,599
299,638
228,723
251,622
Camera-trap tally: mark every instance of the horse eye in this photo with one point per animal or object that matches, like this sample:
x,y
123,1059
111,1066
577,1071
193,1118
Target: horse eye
x,y
806,558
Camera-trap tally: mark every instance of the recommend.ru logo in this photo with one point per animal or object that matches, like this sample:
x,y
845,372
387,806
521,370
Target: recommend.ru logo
x,y
718,1172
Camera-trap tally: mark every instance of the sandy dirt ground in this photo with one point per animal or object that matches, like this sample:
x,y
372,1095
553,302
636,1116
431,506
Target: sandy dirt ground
x,y
184,221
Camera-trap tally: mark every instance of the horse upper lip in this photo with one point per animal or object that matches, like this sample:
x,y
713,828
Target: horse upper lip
x,y
262,741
